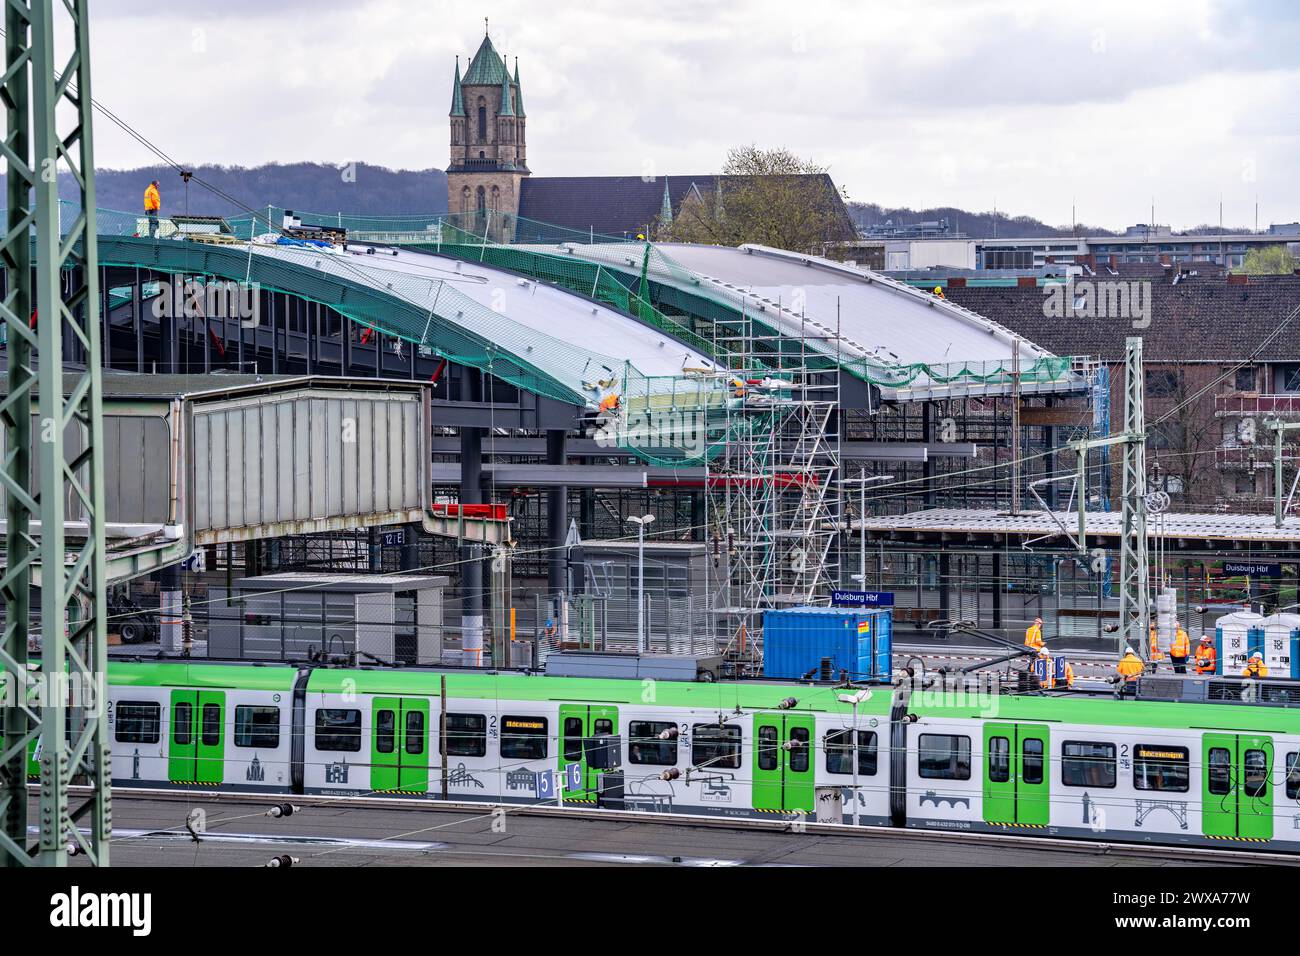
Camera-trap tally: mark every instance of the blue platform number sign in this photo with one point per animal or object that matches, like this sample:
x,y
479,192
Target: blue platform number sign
x,y
862,598
546,785
573,777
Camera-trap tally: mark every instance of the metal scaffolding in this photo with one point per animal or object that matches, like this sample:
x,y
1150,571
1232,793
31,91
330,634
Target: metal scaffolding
x,y
64,709
773,502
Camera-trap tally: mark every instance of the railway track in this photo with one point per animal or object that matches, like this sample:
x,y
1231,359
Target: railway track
x,y
1134,852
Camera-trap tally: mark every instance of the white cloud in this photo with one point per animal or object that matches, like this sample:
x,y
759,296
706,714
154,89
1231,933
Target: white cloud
x,y
956,102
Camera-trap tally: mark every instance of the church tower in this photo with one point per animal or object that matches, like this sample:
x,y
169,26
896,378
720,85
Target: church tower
x,y
489,154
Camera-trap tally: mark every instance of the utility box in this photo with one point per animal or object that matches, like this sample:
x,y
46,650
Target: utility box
x,y
830,804
860,641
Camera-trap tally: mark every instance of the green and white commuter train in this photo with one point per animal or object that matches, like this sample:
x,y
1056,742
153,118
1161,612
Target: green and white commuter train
x,y
1156,772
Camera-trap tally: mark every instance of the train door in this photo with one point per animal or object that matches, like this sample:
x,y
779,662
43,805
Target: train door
x,y
399,744
1016,781
196,747
783,762
579,724
1237,803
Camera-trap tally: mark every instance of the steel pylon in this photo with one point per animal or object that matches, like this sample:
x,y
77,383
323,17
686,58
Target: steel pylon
x,y
48,414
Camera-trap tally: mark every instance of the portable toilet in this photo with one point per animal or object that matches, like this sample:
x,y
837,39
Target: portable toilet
x,y
1281,643
1236,637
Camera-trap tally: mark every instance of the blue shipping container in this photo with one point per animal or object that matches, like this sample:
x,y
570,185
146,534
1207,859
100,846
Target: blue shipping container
x,y
858,640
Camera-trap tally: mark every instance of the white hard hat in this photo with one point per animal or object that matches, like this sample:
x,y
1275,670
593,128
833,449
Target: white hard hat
x,y
1257,656
1128,650
1043,650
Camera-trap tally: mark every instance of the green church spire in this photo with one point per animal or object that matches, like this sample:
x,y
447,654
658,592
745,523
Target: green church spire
x,y
457,104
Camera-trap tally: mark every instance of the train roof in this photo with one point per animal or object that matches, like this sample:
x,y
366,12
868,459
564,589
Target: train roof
x,y
218,676
720,696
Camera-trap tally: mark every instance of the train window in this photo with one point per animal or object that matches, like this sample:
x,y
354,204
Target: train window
x,y
572,738
211,731
837,752
715,747
602,726
338,730
1161,767
645,747
1031,760
1087,763
1220,771
257,726
183,724
385,731
415,731
944,757
466,735
767,747
999,759
523,738
137,722
1292,775
801,739
1256,773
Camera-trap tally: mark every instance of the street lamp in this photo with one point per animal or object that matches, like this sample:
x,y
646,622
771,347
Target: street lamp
x,y
640,523
862,515
859,697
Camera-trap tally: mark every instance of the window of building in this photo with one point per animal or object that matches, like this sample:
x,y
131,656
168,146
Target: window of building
x,y
838,752
716,747
1162,382
523,738
645,747
338,730
137,722
1161,767
944,757
482,121
1087,763
466,735
257,726
481,199
1245,379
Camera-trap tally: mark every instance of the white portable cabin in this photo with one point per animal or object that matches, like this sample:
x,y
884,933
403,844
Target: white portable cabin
x,y
1237,635
1281,638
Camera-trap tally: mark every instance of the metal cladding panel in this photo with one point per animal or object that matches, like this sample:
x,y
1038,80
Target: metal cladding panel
x,y
795,642
306,458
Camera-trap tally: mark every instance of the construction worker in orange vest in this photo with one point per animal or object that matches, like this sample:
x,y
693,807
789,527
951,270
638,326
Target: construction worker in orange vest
x,y
152,203
1050,670
1255,666
1130,666
1207,658
1180,650
938,291
1034,634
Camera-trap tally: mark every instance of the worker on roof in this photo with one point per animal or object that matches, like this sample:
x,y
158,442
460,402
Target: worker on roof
x,y
1034,634
608,404
1207,658
1130,667
152,203
1255,666
938,290
1180,649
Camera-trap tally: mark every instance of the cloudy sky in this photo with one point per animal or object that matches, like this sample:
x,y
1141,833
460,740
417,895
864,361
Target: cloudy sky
x,y
1030,105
